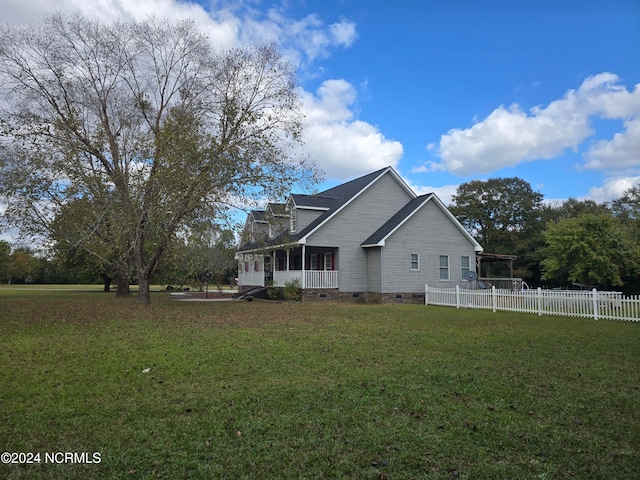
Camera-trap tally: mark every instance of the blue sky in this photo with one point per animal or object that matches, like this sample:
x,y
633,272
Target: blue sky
x,y
445,92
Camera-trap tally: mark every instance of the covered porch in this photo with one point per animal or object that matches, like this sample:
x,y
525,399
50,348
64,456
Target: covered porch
x,y
313,267
505,283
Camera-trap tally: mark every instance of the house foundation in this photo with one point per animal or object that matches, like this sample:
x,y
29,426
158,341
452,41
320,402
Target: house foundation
x,y
333,295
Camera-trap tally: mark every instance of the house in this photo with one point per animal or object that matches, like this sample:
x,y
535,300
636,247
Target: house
x,y
371,238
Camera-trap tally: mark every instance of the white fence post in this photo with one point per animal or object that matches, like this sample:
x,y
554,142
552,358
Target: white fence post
x,y
539,301
457,296
426,294
493,298
595,304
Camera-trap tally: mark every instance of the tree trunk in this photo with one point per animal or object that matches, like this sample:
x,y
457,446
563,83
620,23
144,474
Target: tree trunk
x,y
144,291
123,285
107,283
146,269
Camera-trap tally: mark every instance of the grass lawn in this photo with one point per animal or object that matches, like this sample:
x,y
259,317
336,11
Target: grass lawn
x,y
266,390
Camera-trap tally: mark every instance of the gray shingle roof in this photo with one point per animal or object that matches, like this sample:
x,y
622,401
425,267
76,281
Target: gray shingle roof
x,y
342,194
277,208
258,215
312,201
332,199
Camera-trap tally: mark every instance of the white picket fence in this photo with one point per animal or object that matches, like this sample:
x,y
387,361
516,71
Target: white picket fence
x,y
589,304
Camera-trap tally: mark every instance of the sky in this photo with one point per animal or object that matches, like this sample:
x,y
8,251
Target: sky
x,y
444,91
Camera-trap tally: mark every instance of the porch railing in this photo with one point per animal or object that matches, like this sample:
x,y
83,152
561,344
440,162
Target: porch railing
x,y
321,279
255,279
313,278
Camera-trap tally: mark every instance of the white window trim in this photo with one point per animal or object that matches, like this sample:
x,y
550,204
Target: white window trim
x,y
441,268
462,267
328,261
292,221
411,262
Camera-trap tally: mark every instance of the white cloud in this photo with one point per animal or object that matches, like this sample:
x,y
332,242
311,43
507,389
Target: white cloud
x,y
341,145
444,192
304,40
622,151
343,33
221,26
509,136
315,40
613,188
428,167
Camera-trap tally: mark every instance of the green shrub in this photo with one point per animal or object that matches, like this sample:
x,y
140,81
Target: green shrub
x,y
273,292
292,289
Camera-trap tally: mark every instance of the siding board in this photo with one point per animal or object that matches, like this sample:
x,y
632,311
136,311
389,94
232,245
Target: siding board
x,y
429,233
304,217
374,269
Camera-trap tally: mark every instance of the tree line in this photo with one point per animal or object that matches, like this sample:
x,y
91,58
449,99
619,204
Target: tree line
x,y
195,263
570,243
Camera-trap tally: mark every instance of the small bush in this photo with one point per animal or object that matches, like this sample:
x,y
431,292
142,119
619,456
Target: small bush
x,y
292,289
273,292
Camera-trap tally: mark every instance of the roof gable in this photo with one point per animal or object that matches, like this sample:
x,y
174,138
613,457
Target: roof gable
x,y
379,237
258,215
345,193
276,209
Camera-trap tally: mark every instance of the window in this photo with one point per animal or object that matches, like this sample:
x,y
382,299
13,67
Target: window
x,y
292,221
328,261
256,266
465,263
444,267
314,261
415,262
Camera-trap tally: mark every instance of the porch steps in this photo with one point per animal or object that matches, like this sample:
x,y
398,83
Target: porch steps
x,y
259,292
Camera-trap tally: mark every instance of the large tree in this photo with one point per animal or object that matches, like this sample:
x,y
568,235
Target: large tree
x,y
593,249
627,207
503,214
145,121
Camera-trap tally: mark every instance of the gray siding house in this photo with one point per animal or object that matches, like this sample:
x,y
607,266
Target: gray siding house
x,y
371,238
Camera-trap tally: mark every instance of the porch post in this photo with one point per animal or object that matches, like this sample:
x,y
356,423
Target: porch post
x,y
288,253
304,258
273,267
